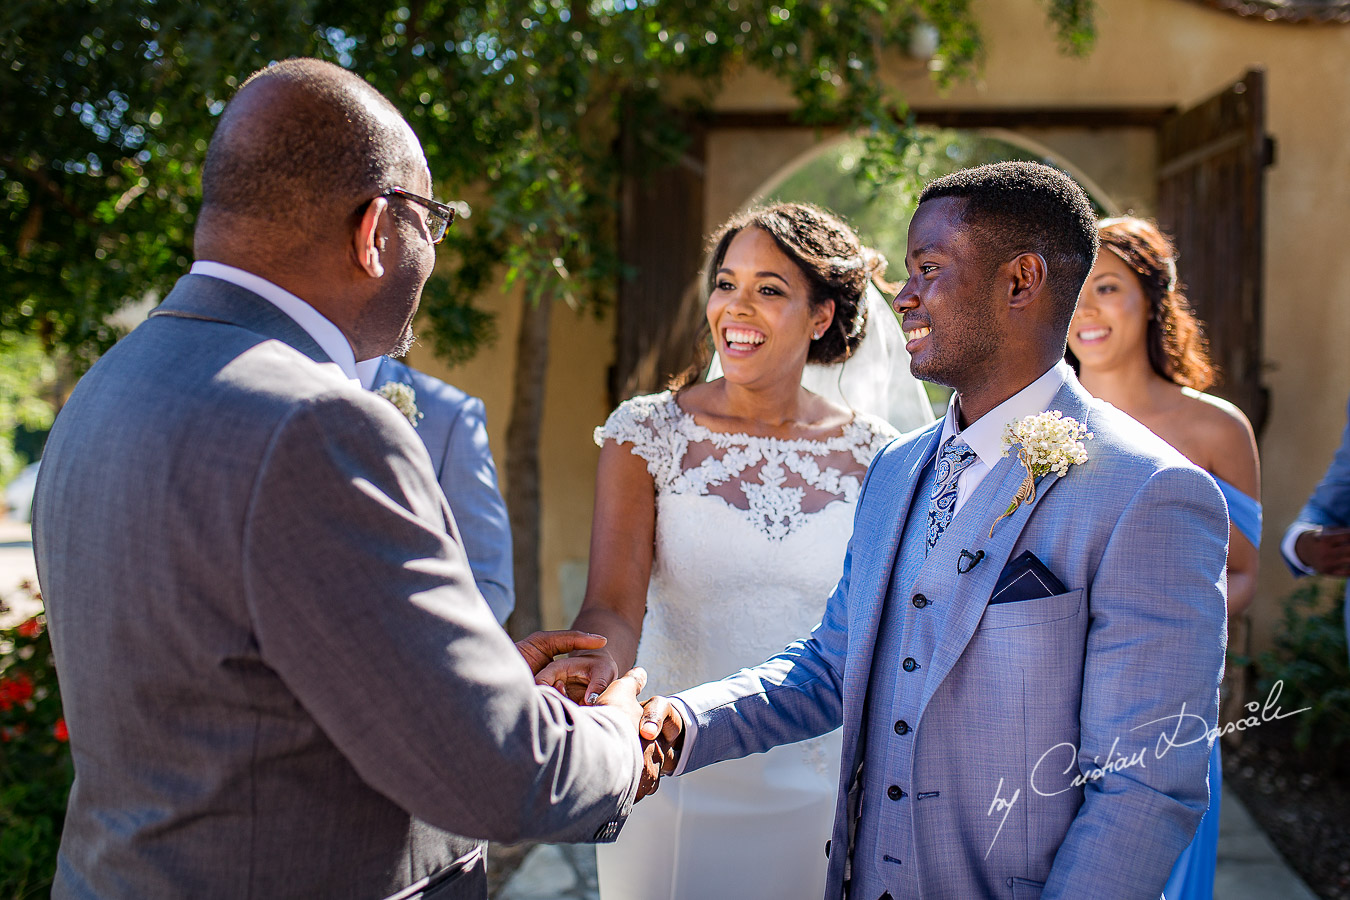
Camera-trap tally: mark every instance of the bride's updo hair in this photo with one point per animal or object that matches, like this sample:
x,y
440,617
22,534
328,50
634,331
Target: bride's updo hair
x,y
836,265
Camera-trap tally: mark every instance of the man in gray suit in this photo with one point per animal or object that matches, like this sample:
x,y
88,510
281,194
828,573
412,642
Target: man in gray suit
x,y
278,676
1027,682
453,426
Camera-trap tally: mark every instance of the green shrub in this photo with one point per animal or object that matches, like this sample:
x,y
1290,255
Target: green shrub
x,y
1310,657
35,766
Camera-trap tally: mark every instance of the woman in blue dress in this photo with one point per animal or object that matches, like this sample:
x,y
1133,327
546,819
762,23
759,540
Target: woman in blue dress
x,y
1138,345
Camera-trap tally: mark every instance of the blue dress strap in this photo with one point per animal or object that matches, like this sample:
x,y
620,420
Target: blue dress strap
x,y
1243,511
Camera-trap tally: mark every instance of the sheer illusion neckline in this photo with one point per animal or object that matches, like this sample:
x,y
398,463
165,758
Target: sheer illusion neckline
x,y
696,430
776,484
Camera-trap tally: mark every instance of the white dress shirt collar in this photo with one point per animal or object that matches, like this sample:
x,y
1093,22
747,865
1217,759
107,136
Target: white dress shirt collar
x,y
985,435
328,336
367,369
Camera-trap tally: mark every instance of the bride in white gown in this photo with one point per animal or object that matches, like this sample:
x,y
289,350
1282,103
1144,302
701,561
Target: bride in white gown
x,y
722,513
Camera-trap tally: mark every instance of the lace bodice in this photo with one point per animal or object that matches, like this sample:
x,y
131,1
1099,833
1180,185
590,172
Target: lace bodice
x,y
777,483
750,535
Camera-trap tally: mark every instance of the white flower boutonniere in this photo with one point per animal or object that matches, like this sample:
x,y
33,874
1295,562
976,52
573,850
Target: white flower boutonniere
x,y
1046,442
403,397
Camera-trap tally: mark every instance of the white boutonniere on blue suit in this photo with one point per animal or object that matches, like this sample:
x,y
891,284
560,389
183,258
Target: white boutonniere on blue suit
x,y
403,397
1046,442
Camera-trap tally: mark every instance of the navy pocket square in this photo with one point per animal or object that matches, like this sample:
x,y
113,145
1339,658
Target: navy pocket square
x,y
1026,578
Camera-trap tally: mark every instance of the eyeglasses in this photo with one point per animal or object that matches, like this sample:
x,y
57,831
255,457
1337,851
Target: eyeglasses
x,y
439,216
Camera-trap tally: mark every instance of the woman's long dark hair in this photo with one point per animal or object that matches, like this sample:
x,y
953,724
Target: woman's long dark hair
x,y
1177,347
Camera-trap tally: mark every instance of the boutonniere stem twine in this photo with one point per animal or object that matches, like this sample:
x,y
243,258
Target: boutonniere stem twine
x,y
1046,442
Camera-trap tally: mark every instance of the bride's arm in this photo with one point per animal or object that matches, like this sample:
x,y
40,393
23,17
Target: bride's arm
x,y
623,534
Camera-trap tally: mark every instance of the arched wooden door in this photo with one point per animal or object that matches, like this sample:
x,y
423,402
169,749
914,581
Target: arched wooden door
x,y
1211,198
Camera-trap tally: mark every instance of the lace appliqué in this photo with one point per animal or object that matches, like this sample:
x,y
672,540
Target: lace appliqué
x,y
777,483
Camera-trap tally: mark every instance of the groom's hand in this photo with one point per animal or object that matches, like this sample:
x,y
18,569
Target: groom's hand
x,y
582,676
662,732
540,647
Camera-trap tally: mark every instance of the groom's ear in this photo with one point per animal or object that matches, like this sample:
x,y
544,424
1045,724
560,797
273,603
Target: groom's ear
x,y
368,240
1027,272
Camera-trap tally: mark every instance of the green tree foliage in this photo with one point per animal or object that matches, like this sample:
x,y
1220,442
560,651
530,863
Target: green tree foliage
x,y
107,107
26,373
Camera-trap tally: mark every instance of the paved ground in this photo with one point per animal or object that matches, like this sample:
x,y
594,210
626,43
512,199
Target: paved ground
x,y
1249,867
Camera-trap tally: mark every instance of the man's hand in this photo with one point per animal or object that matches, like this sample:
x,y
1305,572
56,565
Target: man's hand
x,y
662,733
622,695
540,647
583,676
1325,551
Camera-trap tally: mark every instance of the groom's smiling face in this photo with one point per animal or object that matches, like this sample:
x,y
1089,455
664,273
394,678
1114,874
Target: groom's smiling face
x,y
949,311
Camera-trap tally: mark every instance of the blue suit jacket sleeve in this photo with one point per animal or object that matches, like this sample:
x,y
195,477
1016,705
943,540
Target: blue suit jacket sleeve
x,y
1329,504
454,430
468,476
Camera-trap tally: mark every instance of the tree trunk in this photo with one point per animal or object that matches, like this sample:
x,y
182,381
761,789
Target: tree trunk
x,y
522,461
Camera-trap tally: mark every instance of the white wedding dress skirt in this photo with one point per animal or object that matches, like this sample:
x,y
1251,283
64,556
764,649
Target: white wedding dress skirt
x,y
750,540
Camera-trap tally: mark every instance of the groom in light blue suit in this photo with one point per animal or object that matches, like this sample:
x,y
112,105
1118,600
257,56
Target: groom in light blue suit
x,y
1027,701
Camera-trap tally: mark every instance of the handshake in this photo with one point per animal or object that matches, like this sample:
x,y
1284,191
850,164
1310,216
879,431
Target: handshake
x,y
590,678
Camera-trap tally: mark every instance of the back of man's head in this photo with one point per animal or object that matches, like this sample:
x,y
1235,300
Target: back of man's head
x,y
1024,207
300,146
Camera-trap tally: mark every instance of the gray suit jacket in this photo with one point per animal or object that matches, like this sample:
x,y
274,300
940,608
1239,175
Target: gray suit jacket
x,y
1064,701
454,429
278,676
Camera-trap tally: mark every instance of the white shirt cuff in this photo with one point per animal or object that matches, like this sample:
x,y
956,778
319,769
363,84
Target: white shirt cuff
x,y
1291,537
690,732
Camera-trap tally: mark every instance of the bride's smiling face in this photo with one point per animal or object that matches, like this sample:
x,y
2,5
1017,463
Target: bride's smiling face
x,y
760,311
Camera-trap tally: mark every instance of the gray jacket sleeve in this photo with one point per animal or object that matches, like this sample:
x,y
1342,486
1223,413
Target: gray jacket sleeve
x,y
366,608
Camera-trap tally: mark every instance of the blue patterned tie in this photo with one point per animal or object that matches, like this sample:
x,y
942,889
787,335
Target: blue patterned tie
x,y
952,460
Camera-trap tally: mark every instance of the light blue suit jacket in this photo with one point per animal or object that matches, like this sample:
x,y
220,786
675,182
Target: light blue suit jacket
x,y
454,429
1329,504
1139,535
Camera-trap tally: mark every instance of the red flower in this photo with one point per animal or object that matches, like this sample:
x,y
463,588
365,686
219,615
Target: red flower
x,y
61,732
30,629
15,690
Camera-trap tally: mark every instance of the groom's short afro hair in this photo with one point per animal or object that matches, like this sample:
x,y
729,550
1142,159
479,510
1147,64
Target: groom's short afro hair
x,y
1027,207
300,138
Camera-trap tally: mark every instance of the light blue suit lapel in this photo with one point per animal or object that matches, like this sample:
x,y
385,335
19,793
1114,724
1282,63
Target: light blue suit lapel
x,y
884,527
387,372
970,592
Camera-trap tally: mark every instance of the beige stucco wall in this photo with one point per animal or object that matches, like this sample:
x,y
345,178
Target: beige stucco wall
x,y
1148,53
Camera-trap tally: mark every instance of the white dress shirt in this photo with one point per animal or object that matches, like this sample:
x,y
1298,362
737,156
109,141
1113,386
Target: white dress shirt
x,y
367,369
328,336
1287,546
985,437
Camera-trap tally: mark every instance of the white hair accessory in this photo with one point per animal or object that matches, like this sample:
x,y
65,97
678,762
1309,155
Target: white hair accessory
x,y
839,262
859,318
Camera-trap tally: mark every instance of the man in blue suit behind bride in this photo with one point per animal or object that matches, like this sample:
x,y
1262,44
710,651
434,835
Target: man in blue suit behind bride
x,y
1024,650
